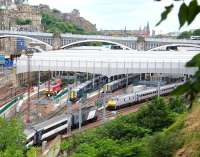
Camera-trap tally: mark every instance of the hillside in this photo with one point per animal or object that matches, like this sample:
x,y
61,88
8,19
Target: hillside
x,y
160,129
191,134
65,22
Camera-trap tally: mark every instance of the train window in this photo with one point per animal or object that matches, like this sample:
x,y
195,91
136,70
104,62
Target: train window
x,y
55,126
129,98
124,99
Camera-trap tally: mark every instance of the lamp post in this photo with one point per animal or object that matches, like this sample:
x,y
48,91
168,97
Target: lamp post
x,y
29,54
80,114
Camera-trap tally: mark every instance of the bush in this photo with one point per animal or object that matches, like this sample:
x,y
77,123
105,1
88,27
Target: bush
x,y
162,145
154,116
176,104
121,130
128,136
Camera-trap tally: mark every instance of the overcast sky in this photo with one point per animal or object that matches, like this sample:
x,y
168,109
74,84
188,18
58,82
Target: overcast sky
x,y
116,14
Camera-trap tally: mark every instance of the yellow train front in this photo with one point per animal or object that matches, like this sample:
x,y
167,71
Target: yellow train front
x,y
73,96
111,104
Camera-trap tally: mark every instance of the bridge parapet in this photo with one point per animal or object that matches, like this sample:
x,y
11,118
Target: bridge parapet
x,y
131,42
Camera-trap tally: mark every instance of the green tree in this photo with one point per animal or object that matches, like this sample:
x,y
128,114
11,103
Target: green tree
x,y
11,138
196,32
155,116
177,104
120,129
185,35
187,14
55,24
33,152
23,22
191,88
163,145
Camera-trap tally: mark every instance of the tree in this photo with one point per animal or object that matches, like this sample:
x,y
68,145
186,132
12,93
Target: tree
x,y
185,35
163,145
155,116
23,22
187,14
11,138
176,104
196,32
191,88
54,24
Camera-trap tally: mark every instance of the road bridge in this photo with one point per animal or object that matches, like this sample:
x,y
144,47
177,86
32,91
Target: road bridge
x,y
131,42
108,62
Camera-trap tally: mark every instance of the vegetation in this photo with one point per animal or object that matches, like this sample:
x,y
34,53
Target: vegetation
x,y
54,24
185,35
23,22
134,135
11,138
188,34
187,13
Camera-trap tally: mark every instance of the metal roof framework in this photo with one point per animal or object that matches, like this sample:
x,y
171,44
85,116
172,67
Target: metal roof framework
x,y
109,62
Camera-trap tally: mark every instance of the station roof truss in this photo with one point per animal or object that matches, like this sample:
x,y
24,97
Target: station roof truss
x,y
109,62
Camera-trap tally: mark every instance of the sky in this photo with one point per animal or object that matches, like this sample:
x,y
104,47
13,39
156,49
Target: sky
x,y
118,14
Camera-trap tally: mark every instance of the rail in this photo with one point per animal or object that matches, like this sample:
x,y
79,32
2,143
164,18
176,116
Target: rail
x,y
10,104
61,94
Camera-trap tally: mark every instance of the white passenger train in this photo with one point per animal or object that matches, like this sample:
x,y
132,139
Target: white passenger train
x,y
118,84
46,130
87,86
127,99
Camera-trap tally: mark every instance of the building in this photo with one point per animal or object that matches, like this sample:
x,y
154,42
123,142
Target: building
x,y
22,17
75,18
5,3
145,32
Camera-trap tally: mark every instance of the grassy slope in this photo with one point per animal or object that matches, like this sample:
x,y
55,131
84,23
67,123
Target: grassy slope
x,y
191,135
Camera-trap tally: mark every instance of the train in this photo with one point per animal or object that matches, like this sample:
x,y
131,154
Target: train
x,y
135,97
79,91
118,84
44,131
53,87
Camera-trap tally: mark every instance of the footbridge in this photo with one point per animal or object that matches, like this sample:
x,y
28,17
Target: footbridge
x,y
108,62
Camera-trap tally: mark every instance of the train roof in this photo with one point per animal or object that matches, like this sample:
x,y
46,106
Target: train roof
x,y
116,81
29,133
51,122
82,85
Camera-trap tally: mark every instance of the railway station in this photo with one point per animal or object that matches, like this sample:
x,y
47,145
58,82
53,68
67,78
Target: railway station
x,y
62,90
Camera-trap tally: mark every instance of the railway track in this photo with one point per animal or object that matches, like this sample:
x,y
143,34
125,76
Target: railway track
x,y
7,95
109,116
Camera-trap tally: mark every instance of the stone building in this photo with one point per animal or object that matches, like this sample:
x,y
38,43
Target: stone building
x,y
21,17
75,18
5,3
145,32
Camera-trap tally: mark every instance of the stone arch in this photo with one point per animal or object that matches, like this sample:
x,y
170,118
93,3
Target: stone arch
x,y
164,46
93,40
48,46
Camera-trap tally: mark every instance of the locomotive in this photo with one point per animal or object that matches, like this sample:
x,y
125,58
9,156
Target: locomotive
x,y
53,87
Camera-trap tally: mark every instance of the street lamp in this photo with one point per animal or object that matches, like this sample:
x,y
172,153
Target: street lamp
x,y
80,113
29,54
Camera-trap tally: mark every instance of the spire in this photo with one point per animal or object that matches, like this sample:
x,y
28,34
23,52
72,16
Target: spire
x,y
125,31
140,28
148,27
